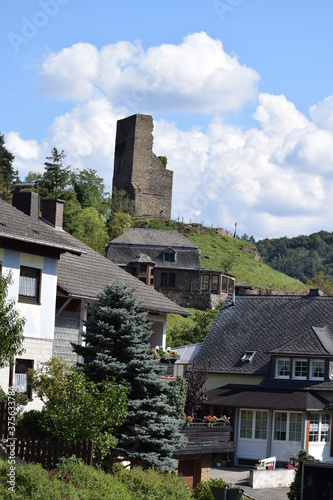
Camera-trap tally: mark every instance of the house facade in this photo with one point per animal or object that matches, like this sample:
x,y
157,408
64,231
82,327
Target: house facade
x,y
170,263
55,278
270,368
30,252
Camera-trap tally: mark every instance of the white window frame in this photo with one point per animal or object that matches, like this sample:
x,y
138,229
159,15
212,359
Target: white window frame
x,y
300,377
253,428
287,429
277,375
311,374
316,428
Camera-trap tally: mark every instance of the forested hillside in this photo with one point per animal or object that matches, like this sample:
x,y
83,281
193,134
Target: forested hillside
x,y
302,257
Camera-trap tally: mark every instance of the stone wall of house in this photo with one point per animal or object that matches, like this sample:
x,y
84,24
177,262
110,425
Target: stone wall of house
x,y
195,300
186,280
67,328
138,171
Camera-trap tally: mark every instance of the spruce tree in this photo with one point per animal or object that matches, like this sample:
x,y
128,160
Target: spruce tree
x,y
117,345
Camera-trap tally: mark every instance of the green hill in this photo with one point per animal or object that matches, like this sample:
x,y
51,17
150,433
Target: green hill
x,y
232,255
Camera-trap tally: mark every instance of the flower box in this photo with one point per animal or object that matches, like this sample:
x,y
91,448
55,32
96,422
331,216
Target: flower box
x,y
289,466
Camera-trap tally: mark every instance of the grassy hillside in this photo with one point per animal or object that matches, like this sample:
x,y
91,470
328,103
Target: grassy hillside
x,y
235,256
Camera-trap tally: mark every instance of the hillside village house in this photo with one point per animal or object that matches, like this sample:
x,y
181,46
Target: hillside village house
x,y
170,263
270,368
55,277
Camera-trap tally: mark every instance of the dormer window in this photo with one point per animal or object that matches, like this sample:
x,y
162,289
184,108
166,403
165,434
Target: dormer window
x,y
282,368
169,255
317,369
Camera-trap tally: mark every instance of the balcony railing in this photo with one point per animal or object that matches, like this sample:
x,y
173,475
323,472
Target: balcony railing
x,y
206,438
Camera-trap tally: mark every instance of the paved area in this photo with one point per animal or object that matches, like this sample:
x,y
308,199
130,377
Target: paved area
x,y
239,477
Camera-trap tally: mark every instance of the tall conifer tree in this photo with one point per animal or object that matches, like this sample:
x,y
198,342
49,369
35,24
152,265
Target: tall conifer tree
x,y
117,345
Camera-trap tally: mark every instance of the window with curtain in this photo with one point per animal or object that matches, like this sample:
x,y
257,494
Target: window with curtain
x,y
29,285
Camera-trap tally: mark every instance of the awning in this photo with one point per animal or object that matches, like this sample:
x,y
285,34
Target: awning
x,y
234,396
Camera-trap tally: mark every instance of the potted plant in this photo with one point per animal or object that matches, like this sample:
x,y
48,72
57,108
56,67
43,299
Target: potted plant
x,y
220,459
218,487
188,420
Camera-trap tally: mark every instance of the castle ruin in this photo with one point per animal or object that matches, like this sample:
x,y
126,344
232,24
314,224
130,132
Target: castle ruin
x,y
138,171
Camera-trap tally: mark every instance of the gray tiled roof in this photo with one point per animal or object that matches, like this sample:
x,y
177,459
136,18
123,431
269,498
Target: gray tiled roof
x,y
153,242
267,324
17,226
86,275
154,237
254,397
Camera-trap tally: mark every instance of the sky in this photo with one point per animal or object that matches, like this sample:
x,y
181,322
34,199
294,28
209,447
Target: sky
x,y
241,94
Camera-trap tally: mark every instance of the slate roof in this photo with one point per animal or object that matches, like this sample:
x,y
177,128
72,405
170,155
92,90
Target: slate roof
x,y
154,237
300,325
85,277
17,226
235,396
153,242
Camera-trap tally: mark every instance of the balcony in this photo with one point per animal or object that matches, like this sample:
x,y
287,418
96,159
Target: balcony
x,y
207,438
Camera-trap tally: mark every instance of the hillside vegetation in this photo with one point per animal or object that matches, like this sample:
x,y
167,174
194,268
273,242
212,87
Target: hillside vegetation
x,y
302,257
232,255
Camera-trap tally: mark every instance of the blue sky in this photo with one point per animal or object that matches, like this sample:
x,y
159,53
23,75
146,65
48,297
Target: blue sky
x,y
240,92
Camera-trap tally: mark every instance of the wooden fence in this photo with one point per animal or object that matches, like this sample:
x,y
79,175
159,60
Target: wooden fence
x,y
41,452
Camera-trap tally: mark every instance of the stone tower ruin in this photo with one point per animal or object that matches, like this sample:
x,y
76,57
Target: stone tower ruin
x,y
138,171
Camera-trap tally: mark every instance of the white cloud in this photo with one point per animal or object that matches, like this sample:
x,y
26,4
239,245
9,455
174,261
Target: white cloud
x,y
197,75
322,114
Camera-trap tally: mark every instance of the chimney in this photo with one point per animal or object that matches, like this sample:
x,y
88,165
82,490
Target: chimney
x,y
53,212
27,202
315,292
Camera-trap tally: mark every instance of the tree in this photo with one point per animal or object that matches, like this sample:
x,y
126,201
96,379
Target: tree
x,y
319,281
195,330
116,345
7,172
121,202
56,176
76,408
119,223
11,325
89,190
196,390
91,229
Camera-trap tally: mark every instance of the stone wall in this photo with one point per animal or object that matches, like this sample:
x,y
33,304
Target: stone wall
x,y
138,171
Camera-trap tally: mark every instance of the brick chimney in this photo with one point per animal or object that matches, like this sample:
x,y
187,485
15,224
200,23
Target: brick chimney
x,y
27,202
53,212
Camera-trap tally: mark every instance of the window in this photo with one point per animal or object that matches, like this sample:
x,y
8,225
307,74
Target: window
x,y
246,424
280,426
317,369
282,368
261,425
172,279
300,368
224,284
287,426
168,279
21,376
169,256
143,268
205,282
319,430
215,283
295,427
29,285
253,423
230,286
